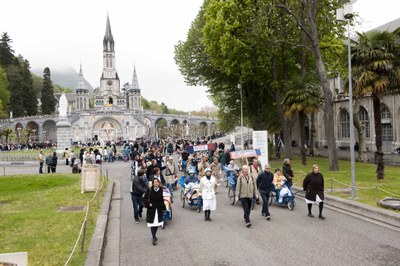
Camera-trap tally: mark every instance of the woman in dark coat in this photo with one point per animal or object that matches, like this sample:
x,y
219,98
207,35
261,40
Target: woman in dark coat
x,y
287,171
313,185
155,208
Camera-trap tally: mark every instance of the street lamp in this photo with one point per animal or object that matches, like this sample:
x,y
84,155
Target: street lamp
x,y
19,134
241,112
44,135
34,131
347,13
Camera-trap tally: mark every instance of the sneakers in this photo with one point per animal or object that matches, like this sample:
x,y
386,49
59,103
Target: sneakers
x,y
262,214
248,225
268,218
154,241
321,217
136,221
310,215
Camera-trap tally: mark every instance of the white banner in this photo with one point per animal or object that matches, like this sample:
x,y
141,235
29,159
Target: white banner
x,y
260,141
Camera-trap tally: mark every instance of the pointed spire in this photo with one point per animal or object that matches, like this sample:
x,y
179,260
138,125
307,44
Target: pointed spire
x,y
135,82
81,79
108,41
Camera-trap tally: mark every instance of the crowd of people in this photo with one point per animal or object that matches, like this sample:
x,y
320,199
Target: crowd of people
x,y
155,167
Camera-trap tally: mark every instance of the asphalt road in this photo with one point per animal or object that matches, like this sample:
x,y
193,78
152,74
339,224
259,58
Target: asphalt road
x,y
290,237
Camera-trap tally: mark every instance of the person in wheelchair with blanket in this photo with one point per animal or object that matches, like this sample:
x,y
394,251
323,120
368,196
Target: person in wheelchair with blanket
x,y
191,184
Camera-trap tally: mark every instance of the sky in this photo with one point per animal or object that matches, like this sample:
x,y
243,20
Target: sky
x,y
64,33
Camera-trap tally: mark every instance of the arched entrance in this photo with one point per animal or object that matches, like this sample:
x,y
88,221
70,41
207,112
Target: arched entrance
x,y
32,131
49,131
107,129
203,130
161,124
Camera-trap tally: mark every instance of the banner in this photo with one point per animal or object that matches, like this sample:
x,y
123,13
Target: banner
x,y
260,141
245,154
200,148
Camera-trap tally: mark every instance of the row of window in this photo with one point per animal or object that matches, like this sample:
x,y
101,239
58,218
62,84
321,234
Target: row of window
x,y
344,123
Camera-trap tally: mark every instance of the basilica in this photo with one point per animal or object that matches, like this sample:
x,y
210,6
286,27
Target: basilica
x,y
116,112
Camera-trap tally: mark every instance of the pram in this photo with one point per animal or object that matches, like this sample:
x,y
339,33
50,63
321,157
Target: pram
x,y
195,200
168,206
282,195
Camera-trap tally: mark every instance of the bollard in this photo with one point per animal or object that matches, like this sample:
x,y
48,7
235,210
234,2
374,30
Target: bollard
x,y
4,170
83,236
107,173
377,197
331,184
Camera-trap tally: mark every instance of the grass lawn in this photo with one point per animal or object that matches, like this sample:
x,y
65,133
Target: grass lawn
x,y
364,174
30,220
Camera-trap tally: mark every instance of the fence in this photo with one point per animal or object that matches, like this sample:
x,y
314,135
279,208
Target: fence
x,y
23,157
377,189
89,212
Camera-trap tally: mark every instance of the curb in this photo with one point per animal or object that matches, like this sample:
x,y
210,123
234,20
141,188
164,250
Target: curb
x,y
97,241
374,213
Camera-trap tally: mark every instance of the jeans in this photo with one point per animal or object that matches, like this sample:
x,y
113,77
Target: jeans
x,y
246,204
137,202
265,198
170,186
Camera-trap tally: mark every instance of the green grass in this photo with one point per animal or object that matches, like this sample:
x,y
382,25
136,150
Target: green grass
x,y
30,220
364,174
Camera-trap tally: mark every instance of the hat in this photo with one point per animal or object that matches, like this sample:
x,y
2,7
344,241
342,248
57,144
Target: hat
x,y
192,171
267,166
207,170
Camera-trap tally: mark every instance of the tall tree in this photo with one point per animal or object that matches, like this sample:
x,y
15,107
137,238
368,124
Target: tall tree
x,y
376,72
29,94
6,52
4,94
302,99
16,83
314,17
47,99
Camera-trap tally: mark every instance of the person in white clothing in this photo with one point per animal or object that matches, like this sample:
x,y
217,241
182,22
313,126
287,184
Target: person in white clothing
x,y
208,184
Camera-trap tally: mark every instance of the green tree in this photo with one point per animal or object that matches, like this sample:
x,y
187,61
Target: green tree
x,y
376,72
317,20
29,94
302,99
165,109
16,83
48,101
145,103
4,94
6,52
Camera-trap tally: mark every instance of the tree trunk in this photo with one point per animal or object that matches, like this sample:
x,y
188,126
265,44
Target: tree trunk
x,y
313,136
303,150
362,151
328,113
380,166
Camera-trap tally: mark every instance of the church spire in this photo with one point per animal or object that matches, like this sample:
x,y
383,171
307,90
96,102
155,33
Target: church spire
x,y
81,79
108,41
135,82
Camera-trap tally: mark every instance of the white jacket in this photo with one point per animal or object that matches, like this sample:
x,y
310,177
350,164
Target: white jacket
x,y
207,187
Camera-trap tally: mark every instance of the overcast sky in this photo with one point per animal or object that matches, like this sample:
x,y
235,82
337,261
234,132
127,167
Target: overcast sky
x,y
64,33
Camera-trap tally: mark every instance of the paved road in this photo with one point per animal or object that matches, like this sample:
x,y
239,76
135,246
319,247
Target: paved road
x,y
289,238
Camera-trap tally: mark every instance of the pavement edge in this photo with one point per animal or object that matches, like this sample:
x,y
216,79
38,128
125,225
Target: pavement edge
x,y
97,241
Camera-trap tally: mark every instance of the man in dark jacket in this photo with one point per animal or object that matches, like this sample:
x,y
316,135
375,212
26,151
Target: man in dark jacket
x,y
287,172
138,188
264,186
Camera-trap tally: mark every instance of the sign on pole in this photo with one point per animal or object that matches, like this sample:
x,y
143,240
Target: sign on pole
x,y
260,141
245,154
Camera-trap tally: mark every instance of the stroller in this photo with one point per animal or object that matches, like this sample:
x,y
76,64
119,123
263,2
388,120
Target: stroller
x,y
283,196
195,200
168,206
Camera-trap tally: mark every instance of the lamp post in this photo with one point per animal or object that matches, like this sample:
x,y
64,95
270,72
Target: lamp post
x,y
44,135
19,134
346,13
34,131
241,114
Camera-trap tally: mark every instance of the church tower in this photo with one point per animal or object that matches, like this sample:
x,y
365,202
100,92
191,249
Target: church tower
x,y
82,94
134,96
109,93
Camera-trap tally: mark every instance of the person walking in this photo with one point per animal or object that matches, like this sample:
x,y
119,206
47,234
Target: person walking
x,y
216,169
138,188
207,188
264,186
67,156
287,172
41,161
171,175
313,185
155,208
54,160
246,191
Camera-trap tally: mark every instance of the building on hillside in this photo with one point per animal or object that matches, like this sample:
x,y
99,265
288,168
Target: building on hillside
x,y
390,115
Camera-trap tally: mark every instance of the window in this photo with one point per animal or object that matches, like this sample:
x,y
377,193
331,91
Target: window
x,y
386,121
364,119
344,124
